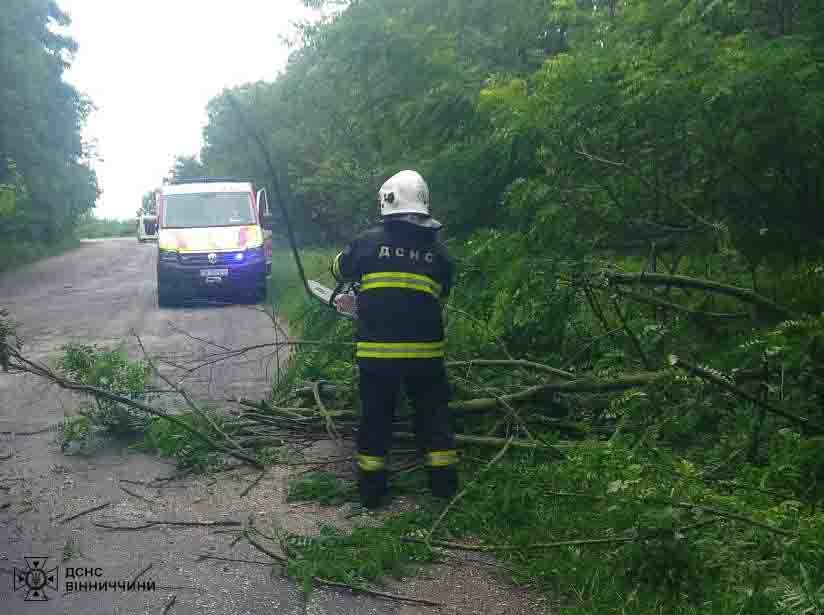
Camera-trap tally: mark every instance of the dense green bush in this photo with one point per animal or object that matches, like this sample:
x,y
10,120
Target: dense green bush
x,y
14,254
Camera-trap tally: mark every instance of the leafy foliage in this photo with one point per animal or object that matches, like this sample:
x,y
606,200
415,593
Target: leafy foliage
x,y
804,598
90,227
375,552
15,254
109,370
321,486
171,440
46,183
9,339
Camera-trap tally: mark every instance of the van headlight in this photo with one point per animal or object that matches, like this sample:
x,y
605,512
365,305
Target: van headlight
x,y
168,256
253,254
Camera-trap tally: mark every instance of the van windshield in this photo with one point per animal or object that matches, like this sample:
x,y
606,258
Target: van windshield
x,y
207,209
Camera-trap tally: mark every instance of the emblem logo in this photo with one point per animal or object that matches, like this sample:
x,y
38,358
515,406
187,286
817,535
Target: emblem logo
x,y
35,578
212,258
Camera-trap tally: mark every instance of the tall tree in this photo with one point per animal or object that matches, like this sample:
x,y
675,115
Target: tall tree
x,y
42,157
579,121
186,167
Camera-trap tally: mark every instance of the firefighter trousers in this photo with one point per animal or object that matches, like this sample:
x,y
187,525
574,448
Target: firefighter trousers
x,y
427,387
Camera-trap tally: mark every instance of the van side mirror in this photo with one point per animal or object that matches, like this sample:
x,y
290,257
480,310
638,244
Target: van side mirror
x,y
265,217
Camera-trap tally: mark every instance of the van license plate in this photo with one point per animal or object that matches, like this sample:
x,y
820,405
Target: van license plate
x,y
214,273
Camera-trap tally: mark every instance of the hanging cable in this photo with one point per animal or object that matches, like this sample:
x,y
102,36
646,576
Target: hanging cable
x,y
251,133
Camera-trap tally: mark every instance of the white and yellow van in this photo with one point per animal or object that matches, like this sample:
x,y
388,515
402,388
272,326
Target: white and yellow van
x,y
211,240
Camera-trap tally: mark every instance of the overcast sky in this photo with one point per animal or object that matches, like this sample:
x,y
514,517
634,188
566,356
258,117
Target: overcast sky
x,y
150,67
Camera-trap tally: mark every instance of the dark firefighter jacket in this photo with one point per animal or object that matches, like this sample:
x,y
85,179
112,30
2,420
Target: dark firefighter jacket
x,y
403,273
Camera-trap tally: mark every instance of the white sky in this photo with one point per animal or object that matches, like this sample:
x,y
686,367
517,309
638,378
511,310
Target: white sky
x,y
150,67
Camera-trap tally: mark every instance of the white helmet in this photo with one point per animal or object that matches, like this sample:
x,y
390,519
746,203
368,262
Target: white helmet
x,y
404,193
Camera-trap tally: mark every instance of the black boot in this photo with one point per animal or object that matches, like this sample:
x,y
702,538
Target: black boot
x,y
443,481
373,487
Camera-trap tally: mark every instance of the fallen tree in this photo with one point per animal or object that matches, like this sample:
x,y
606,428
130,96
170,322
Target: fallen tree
x,y
682,281
727,385
260,423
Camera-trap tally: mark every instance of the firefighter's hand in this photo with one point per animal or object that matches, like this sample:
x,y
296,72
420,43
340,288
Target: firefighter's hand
x,y
345,303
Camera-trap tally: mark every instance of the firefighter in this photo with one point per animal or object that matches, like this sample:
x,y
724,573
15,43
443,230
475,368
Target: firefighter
x,y
403,273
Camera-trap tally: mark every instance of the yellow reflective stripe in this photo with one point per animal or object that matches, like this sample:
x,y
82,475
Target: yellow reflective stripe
x,y
400,350
401,279
401,346
405,285
439,459
370,463
336,265
378,276
371,354
398,274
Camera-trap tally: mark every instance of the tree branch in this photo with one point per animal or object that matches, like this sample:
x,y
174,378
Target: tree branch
x,y
689,505
680,281
330,424
584,385
44,372
729,386
183,393
651,186
151,524
514,363
683,309
85,512
354,588
631,334
490,441
554,545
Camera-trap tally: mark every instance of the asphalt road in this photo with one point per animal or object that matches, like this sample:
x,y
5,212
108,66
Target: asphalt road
x,y
104,293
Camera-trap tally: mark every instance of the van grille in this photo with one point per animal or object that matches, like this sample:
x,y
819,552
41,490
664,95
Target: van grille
x,y
202,259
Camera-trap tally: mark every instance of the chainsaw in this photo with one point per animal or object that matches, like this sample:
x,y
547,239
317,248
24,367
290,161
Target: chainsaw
x,y
343,298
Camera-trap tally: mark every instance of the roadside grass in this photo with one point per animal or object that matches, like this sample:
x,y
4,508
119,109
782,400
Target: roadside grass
x,y
99,228
285,286
14,254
